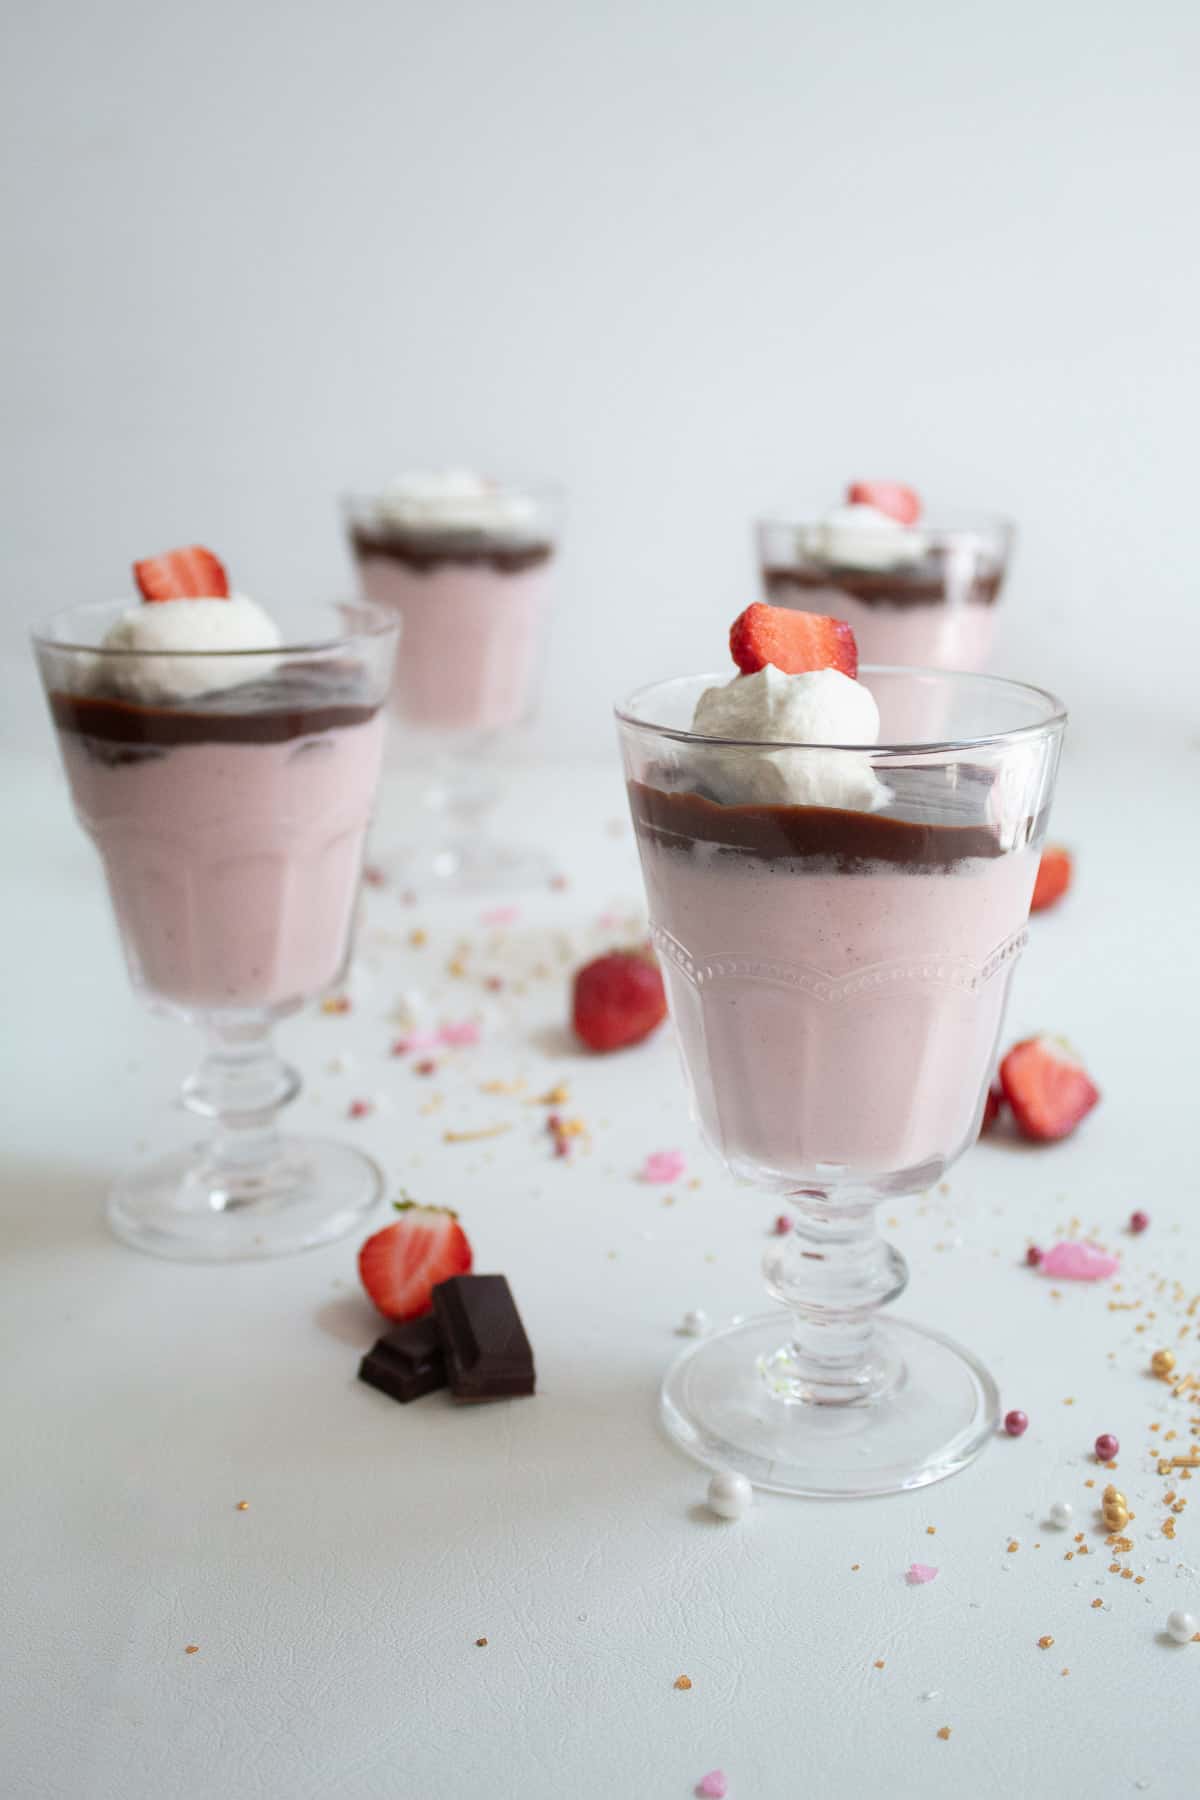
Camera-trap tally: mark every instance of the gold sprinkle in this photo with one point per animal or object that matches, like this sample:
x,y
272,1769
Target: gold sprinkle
x,y
190,1649
683,1681
555,1096
855,1566
481,1643
1013,1546
931,1531
879,1664
1064,1671
1070,1401
243,1506
1044,1643
474,1137
1126,1574
1068,1556
417,938
944,1733
501,1087
1096,1603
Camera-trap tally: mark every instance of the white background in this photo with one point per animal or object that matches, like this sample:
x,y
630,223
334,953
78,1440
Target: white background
x,y
694,260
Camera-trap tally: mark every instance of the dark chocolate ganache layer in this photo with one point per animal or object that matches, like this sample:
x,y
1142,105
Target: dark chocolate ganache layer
x,y
927,583
846,841
299,700
423,551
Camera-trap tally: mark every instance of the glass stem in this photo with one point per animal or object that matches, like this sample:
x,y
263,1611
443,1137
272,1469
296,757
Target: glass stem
x,y
833,1271
242,1083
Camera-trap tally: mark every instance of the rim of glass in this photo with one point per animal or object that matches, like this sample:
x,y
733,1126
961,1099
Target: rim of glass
x,y
948,522
377,622
1056,717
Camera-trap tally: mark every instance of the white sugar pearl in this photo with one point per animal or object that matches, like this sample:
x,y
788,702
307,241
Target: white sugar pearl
x,y
1061,1514
695,1324
1182,1626
730,1495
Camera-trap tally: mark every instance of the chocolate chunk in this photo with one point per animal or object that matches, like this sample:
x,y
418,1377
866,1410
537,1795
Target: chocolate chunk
x,y
487,1353
407,1363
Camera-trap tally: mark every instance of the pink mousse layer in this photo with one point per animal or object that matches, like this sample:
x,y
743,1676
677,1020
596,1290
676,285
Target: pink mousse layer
x,y
941,636
836,1018
233,868
470,642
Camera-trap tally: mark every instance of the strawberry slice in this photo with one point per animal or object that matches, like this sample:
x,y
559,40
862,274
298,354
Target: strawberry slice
x,y
618,999
1048,1089
796,642
190,574
402,1264
891,497
1053,877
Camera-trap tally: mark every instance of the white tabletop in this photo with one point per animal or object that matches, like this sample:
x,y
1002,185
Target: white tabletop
x,y
336,1618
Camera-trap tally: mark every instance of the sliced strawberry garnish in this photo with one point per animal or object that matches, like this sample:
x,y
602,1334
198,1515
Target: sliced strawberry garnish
x,y
1053,877
618,999
796,642
402,1264
1048,1089
891,497
190,574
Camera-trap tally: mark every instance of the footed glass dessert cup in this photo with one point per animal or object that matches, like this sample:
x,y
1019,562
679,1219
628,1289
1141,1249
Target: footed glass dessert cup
x,y
837,983
470,581
229,794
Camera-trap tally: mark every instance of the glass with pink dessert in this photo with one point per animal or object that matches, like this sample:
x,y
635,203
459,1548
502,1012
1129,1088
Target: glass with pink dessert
x,y
838,912
918,591
226,770
465,563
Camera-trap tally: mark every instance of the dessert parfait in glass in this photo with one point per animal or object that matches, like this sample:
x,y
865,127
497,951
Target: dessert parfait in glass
x,y
465,564
918,592
838,911
226,771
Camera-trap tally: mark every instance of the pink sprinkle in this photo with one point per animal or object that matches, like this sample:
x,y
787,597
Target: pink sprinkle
x,y
663,1165
918,1573
360,1109
374,876
493,983
500,915
713,1786
1079,1262
416,1040
782,1226
426,1066
459,1036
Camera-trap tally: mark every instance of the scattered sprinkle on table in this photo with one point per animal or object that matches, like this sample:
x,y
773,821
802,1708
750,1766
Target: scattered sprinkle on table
x,y
919,1573
475,1137
944,1733
481,1643
714,1785
190,1649
683,1682
243,1506
1044,1643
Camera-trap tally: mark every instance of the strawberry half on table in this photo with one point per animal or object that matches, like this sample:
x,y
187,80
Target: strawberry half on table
x,y
1053,878
402,1264
193,573
618,999
1047,1088
795,642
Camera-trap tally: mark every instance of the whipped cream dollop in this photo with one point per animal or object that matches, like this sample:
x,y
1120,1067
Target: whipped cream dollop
x,y
175,627
858,536
456,500
821,707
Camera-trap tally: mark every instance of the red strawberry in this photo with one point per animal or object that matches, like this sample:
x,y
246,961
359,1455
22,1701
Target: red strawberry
x,y
795,642
191,574
402,1264
991,1109
618,1000
1053,877
890,497
1048,1089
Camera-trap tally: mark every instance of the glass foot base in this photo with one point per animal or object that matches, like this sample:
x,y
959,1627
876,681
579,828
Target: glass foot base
x,y
479,867
941,1410
312,1193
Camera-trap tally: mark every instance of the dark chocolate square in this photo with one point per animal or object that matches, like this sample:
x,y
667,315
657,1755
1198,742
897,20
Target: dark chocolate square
x,y
408,1362
488,1356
